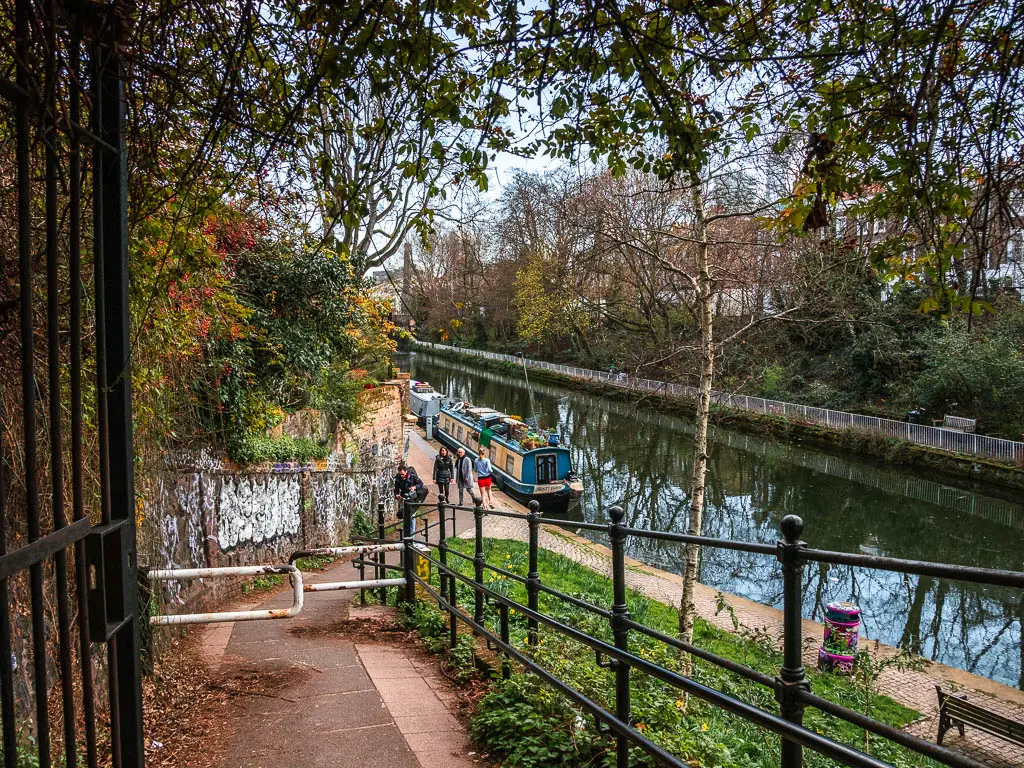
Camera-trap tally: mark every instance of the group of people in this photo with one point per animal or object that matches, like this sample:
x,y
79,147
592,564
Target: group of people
x,y
459,469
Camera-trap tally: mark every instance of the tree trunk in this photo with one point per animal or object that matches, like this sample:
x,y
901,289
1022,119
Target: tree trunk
x,y
582,344
705,315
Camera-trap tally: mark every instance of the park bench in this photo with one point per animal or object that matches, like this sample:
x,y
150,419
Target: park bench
x,y
956,711
958,423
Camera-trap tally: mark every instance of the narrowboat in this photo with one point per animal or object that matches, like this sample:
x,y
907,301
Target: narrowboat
x,y
529,464
424,401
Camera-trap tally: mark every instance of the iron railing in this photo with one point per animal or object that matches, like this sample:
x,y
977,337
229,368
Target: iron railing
x,y
69,180
791,686
939,438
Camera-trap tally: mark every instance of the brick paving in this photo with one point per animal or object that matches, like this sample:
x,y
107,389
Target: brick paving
x,y
416,695
915,689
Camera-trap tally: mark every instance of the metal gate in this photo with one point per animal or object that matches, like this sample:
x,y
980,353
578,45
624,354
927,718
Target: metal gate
x,y
68,585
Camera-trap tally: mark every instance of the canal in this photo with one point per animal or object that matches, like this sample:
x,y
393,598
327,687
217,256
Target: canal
x,y
638,457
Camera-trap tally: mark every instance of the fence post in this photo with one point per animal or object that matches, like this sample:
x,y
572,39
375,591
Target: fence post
x,y
453,632
408,554
620,613
506,670
381,557
533,576
791,676
478,563
442,554
362,577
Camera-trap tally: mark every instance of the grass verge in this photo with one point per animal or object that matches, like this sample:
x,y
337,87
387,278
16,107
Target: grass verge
x,y
532,726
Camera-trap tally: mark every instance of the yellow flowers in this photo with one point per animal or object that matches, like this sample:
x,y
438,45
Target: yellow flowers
x,y
680,704
703,726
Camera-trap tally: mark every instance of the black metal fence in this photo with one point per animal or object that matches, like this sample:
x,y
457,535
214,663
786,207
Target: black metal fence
x,y
62,102
791,686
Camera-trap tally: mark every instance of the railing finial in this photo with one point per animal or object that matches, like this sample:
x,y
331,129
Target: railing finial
x,y
792,528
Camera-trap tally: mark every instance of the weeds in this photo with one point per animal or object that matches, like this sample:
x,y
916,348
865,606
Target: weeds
x,y
362,526
263,583
314,562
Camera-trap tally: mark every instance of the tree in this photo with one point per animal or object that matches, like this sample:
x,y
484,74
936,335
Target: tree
x,y
378,173
667,93
922,126
402,121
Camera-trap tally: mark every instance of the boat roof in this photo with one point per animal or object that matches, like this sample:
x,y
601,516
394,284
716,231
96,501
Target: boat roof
x,y
485,413
421,386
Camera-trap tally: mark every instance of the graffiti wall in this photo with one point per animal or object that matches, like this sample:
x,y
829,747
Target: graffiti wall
x,y
202,511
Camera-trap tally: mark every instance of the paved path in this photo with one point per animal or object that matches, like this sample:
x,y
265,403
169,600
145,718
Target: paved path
x,y
914,689
331,692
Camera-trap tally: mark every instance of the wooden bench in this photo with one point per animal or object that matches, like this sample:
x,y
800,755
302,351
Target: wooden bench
x,y
956,711
958,423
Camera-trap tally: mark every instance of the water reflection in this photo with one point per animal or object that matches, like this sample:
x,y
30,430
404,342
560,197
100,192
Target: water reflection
x,y
632,455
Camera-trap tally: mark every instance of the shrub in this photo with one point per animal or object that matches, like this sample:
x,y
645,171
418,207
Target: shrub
x,y
257,449
773,382
362,525
979,375
533,727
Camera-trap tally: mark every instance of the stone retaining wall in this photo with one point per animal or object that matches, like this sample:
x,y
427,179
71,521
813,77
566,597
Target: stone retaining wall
x,y
201,511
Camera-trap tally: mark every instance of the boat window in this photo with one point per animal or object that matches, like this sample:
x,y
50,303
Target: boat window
x,y
547,468
510,464
459,435
494,455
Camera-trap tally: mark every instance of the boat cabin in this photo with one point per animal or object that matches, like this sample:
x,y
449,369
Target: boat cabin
x,y
528,463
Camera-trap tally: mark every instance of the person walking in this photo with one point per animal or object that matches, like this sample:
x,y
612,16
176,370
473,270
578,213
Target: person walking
x,y
444,471
464,475
483,468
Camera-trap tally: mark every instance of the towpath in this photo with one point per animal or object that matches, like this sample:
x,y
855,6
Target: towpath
x,y
336,689
915,689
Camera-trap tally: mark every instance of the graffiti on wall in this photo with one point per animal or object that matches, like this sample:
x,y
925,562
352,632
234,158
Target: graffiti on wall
x,y
256,509
202,505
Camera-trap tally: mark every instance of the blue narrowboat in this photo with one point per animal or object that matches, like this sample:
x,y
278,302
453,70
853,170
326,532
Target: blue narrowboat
x,y
528,463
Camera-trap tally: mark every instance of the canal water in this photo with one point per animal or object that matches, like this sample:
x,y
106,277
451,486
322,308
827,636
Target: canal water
x,y
635,456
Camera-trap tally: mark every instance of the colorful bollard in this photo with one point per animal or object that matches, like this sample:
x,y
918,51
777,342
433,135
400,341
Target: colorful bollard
x,y
839,647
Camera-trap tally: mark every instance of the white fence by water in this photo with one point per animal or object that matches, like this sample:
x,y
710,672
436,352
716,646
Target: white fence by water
x,y
943,439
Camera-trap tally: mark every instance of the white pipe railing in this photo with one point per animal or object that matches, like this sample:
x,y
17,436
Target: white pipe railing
x,y
333,586
1008,451
190,574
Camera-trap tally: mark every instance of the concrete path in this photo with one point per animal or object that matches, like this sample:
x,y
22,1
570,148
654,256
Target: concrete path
x,y
915,689
333,691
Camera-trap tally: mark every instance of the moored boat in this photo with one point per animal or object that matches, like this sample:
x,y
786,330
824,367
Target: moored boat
x,y
529,464
424,401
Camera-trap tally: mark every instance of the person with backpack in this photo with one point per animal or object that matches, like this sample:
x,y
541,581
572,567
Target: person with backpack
x,y
408,489
408,485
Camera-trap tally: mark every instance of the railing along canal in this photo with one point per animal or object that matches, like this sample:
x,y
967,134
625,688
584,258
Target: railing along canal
x,y
951,440
790,685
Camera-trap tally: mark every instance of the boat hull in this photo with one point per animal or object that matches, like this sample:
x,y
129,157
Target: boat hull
x,y
556,503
